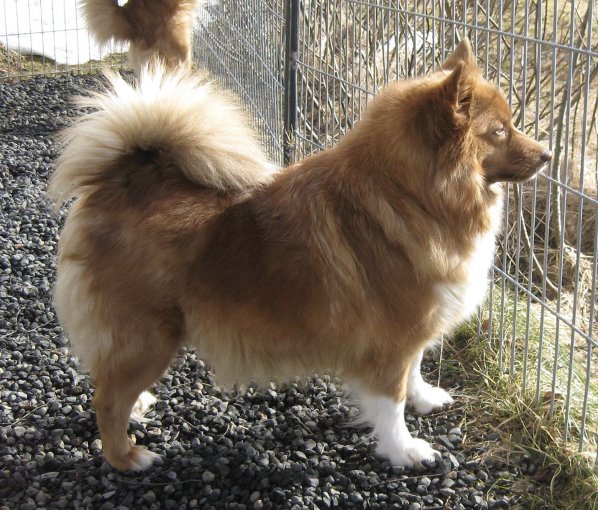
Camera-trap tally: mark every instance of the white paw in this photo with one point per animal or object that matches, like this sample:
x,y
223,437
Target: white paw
x,y
137,458
427,398
142,406
141,458
407,453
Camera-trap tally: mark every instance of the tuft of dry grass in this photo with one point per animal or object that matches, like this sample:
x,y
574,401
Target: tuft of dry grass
x,y
9,62
529,424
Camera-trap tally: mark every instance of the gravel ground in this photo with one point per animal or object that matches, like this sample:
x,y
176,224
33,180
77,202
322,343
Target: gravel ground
x,y
293,448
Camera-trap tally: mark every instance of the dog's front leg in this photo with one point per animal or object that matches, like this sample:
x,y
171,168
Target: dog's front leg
x,y
387,415
421,396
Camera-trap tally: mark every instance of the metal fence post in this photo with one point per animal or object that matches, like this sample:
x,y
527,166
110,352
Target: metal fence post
x,y
290,78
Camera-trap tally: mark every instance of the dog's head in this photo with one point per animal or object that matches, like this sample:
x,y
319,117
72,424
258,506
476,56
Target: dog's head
x,y
451,125
476,109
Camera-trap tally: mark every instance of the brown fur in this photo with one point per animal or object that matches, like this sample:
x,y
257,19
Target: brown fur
x,y
332,266
153,28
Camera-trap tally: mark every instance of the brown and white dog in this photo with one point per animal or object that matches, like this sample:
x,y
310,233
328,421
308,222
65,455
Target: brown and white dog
x,y
153,28
352,261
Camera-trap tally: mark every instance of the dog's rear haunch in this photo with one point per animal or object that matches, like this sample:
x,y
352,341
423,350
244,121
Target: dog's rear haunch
x,y
352,261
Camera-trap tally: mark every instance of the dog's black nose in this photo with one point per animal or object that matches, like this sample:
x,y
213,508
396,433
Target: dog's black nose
x,y
546,156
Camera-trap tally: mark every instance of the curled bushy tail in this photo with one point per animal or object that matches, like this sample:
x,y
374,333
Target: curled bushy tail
x,y
175,115
107,20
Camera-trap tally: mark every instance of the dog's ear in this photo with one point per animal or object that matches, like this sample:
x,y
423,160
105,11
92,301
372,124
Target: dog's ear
x,y
449,115
463,53
457,91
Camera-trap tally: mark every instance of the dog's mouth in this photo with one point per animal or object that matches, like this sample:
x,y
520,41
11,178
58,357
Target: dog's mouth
x,y
533,171
518,173
519,177
530,176
541,169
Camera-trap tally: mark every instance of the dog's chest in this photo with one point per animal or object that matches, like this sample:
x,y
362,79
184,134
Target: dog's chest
x,y
458,300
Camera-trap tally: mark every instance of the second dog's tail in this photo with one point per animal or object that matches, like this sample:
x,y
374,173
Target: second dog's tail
x,y
174,118
107,20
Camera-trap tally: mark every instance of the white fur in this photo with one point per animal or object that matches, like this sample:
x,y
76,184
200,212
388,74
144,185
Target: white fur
x,y
75,302
394,440
458,301
145,459
423,397
75,305
173,115
142,406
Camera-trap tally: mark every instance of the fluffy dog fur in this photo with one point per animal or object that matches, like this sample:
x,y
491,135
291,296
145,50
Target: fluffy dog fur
x,y
154,28
352,261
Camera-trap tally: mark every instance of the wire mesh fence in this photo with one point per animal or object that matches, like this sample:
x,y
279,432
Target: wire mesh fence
x,y
241,43
49,37
543,55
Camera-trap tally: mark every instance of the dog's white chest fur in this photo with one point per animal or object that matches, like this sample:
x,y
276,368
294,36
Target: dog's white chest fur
x,y
460,300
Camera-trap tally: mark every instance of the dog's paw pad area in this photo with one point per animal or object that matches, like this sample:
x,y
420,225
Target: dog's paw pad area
x,y
277,448
428,399
408,453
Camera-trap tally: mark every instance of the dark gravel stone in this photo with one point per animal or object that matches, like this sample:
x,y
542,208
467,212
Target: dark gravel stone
x,y
482,475
444,441
447,483
447,492
19,432
208,477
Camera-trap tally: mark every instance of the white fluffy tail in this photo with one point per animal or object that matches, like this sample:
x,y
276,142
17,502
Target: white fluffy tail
x,y
173,115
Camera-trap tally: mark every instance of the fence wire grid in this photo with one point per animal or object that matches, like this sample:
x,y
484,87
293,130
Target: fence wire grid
x,y
242,44
540,314
49,37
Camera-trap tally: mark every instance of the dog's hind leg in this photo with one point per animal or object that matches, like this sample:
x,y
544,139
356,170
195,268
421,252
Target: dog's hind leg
x,y
421,396
120,381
